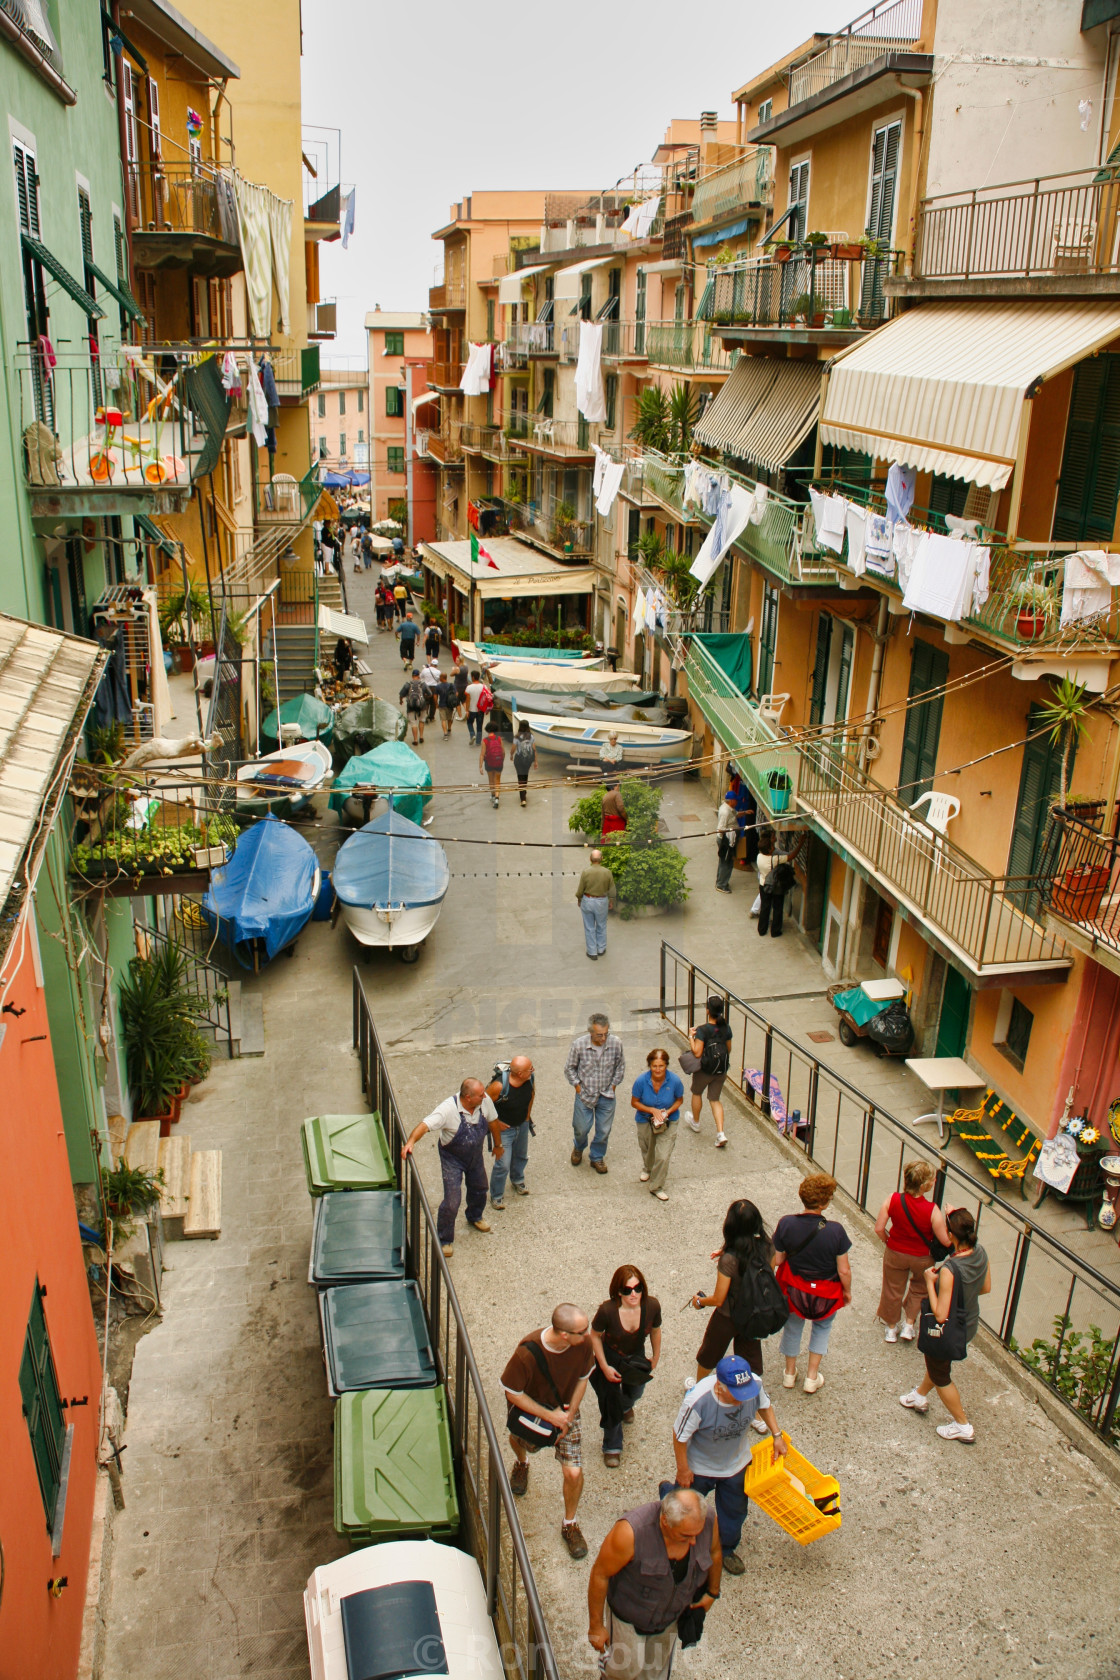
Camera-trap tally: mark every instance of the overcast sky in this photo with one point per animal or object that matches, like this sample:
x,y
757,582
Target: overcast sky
x,y
439,98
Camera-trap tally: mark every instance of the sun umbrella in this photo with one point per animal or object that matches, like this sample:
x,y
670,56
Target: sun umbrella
x,y
391,766
388,527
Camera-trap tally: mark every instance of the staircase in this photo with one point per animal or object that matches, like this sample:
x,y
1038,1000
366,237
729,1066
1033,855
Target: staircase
x,y
294,648
330,591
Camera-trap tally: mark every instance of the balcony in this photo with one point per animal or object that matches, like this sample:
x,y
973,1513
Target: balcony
x,y
975,919
624,341
296,372
736,721
446,446
746,184
687,347
445,376
561,439
184,216
565,539
674,243
1079,886
526,339
284,500
883,28
108,435
813,292
1057,235
490,441
449,294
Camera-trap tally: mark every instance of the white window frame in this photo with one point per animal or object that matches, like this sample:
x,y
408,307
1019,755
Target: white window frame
x,y
806,160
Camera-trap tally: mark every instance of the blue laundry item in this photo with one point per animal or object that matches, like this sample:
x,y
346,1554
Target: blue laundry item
x,y
900,491
268,383
267,889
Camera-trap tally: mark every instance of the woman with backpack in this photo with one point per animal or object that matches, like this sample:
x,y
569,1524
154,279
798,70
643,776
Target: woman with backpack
x,y
492,759
623,1324
950,1318
524,757
814,1273
908,1223
711,1054
747,1305
414,697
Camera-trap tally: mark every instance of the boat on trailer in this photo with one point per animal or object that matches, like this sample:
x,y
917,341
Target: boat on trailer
x,y
282,782
390,880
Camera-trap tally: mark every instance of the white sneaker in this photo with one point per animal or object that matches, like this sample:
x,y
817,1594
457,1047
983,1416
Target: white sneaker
x,y
643,1178
811,1385
789,1379
759,1427
914,1401
907,1333
693,1124
892,1333
957,1432
721,1139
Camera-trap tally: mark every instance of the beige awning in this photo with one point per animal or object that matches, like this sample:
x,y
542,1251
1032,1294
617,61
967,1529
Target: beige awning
x,y
425,397
764,410
343,624
941,388
567,279
518,569
509,286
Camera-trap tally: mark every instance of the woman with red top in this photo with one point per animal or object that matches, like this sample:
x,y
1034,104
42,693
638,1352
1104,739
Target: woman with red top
x,y
906,1223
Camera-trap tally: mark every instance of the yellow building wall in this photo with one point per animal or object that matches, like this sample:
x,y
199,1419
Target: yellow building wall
x,y
839,173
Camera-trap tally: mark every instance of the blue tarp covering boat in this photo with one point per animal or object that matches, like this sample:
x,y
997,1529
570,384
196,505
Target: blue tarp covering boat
x,y
266,892
391,879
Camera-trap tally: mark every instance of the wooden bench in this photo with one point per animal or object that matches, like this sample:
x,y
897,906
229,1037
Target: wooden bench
x,y
204,1207
971,1126
175,1164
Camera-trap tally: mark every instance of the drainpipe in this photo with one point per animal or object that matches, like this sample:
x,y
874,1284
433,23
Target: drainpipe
x,y
407,449
915,165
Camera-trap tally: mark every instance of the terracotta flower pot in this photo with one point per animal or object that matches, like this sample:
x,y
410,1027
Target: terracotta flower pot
x,y
783,253
1030,625
847,253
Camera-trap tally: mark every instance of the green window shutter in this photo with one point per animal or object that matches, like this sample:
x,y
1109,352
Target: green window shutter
x,y
844,676
42,1407
820,669
1040,783
1090,478
705,304
767,639
929,668
611,385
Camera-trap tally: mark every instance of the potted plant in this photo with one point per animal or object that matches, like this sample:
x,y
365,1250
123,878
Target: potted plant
x,y
130,1191
872,249
813,242
1035,605
781,787
847,252
1065,716
783,252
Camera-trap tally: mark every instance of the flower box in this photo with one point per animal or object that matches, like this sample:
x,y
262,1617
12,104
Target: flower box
x,y
847,253
210,857
1079,892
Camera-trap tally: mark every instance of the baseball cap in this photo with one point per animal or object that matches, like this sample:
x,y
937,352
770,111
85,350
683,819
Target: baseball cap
x,y
738,1378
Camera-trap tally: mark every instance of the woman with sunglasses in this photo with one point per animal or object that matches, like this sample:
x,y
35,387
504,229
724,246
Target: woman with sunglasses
x,y
619,1332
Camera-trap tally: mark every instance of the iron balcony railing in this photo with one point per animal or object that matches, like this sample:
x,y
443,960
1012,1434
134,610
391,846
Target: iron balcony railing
x,y
553,437
979,916
449,294
813,288
296,371
1038,1282
625,341
529,338
491,1528
675,238
1079,878
286,499
749,180
687,346
884,27
185,198
1054,225
768,762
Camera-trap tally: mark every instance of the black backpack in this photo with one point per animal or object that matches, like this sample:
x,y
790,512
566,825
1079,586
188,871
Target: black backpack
x,y
716,1056
416,696
759,1308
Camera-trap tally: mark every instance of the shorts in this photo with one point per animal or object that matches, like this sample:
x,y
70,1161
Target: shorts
x,y
417,711
569,1448
710,1082
719,1334
939,1371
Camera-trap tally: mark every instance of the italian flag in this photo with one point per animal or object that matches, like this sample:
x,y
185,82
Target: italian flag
x,y
479,553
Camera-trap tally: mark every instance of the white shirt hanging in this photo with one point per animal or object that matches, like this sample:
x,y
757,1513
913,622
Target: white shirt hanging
x,y
590,396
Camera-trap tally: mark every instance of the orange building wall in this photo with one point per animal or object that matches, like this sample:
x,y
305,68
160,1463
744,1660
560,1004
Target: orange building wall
x,y
1034,1091
39,1634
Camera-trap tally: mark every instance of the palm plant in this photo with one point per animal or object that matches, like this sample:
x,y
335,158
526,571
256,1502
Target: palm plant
x,y
653,427
684,411
1065,719
676,569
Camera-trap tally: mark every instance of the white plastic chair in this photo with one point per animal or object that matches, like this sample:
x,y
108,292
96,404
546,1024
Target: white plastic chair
x,y
940,810
771,707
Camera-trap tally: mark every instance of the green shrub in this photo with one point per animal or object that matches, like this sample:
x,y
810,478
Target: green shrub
x,y
1077,1365
653,875
587,818
642,803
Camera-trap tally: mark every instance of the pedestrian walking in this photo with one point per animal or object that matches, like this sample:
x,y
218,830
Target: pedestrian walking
x,y
460,1124
367,550
445,701
712,1446
491,759
710,1046
432,640
343,656
595,893
524,756
512,1091
908,1222
327,548
430,676
953,1291
400,599
379,606
815,1276
659,1564
773,892
475,690
415,702
461,679
595,1067
614,812
625,1322
610,757
656,1097
742,1315
407,641
727,839
544,1382
763,863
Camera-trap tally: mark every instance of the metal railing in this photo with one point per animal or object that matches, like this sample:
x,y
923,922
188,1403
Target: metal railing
x,y
488,1511
675,238
687,346
883,28
1054,225
749,180
451,294
445,375
812,287
625,340
180,924
555,437
566,337
975,912
184,198
1079,878
737,722
1036,1280
530,338
296,371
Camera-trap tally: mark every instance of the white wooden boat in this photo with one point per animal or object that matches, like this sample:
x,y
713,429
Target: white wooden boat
x,y
485,653
390,879
287,777
515,673
641,743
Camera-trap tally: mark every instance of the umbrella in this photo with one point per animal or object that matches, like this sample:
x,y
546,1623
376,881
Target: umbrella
x,y
359,477
335,481
316,721
365,725
388,527
392,765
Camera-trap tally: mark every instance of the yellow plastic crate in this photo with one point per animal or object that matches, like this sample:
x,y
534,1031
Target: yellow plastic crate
x,y
768,1483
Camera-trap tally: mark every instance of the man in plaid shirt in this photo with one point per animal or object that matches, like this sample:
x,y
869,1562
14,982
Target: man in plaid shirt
x,y
595,1067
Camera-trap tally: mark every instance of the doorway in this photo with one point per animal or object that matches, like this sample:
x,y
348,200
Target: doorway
x,y
956,1004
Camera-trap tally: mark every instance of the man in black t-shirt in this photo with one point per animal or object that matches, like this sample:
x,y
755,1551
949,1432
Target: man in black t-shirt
x,y
711,1042
512,1093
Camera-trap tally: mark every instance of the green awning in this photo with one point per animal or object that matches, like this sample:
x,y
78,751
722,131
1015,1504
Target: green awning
x,y
151,530
733,656
119,290
35,248
703,309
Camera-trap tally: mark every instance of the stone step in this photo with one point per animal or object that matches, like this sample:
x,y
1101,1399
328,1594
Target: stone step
x,y
141,1150
252,1025
234,989
204,1206
175,1163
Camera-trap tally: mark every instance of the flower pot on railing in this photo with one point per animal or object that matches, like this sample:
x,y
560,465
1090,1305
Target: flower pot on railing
x,y
1078,894
847,253
1030,624
781,789
783,253
210,857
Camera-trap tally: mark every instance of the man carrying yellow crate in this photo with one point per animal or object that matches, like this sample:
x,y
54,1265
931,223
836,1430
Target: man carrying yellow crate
x,y
711,1443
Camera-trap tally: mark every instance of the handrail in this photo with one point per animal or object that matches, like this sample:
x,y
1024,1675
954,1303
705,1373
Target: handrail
x,y
1062,224
887,24
1037,1280
488,1508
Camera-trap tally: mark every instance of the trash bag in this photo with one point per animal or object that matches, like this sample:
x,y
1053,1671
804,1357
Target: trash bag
x,y
893,1030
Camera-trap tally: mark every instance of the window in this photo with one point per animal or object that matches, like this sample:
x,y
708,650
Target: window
x,y
766,110
768,638
361,435
394,400
640,314
395,455
886,146
929,670
42,1405
131,139
583,308
322,405
342,402
1013,1030
342,444
322,449
361,401
611,385
394,344
1089,485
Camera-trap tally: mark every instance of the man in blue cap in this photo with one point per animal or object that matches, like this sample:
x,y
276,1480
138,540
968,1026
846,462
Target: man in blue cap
x,y
712,1445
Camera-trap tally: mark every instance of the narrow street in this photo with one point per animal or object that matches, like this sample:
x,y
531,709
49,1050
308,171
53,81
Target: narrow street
x,y
228,1470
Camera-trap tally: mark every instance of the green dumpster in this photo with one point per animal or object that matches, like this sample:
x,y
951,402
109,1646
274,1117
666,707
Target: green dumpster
x,y
346,1152
357,1237
394,1478
375,1336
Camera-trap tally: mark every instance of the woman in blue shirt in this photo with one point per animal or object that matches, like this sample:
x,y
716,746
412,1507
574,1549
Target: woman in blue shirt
x,y
656,1099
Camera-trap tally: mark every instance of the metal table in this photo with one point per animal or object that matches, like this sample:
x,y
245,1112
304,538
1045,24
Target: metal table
x,y
941,1074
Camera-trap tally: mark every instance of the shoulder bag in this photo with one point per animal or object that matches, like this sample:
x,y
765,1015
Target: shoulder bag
x,y
527,1426
634,1368
937,1250
945,1341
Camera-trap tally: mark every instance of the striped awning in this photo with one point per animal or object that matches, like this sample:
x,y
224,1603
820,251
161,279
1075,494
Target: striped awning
x,y
765,409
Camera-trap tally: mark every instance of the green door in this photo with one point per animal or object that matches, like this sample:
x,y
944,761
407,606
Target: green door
x,y
929,669
1040,783
952,1027
820,669
767,639
1090,477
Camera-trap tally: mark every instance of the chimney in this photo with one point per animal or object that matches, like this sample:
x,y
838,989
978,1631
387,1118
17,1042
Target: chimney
x,y
709,122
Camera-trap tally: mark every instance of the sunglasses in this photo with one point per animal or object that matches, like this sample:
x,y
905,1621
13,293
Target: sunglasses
x,y
636,1290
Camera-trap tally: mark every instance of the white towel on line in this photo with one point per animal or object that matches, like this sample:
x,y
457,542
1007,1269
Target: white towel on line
x,y
856,525
735,522
591,397
608,490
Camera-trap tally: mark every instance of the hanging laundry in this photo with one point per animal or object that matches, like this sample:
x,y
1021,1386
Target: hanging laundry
x,y
611,480
46,353
602,460
856,526
472,515
231,374
1090,577
904,545
639,611
258,407
475,381
268,384
714,490
967,528
591,397
830,514
733,519
941,578
348,217
692,494
982,561
900,491
640,217
761,497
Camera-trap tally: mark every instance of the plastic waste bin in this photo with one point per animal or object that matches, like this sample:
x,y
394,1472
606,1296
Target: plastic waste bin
x,y
357,1237
375,1336
346,1152
394,1476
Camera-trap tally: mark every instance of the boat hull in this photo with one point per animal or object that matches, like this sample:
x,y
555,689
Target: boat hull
x,y
640,744
391,927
